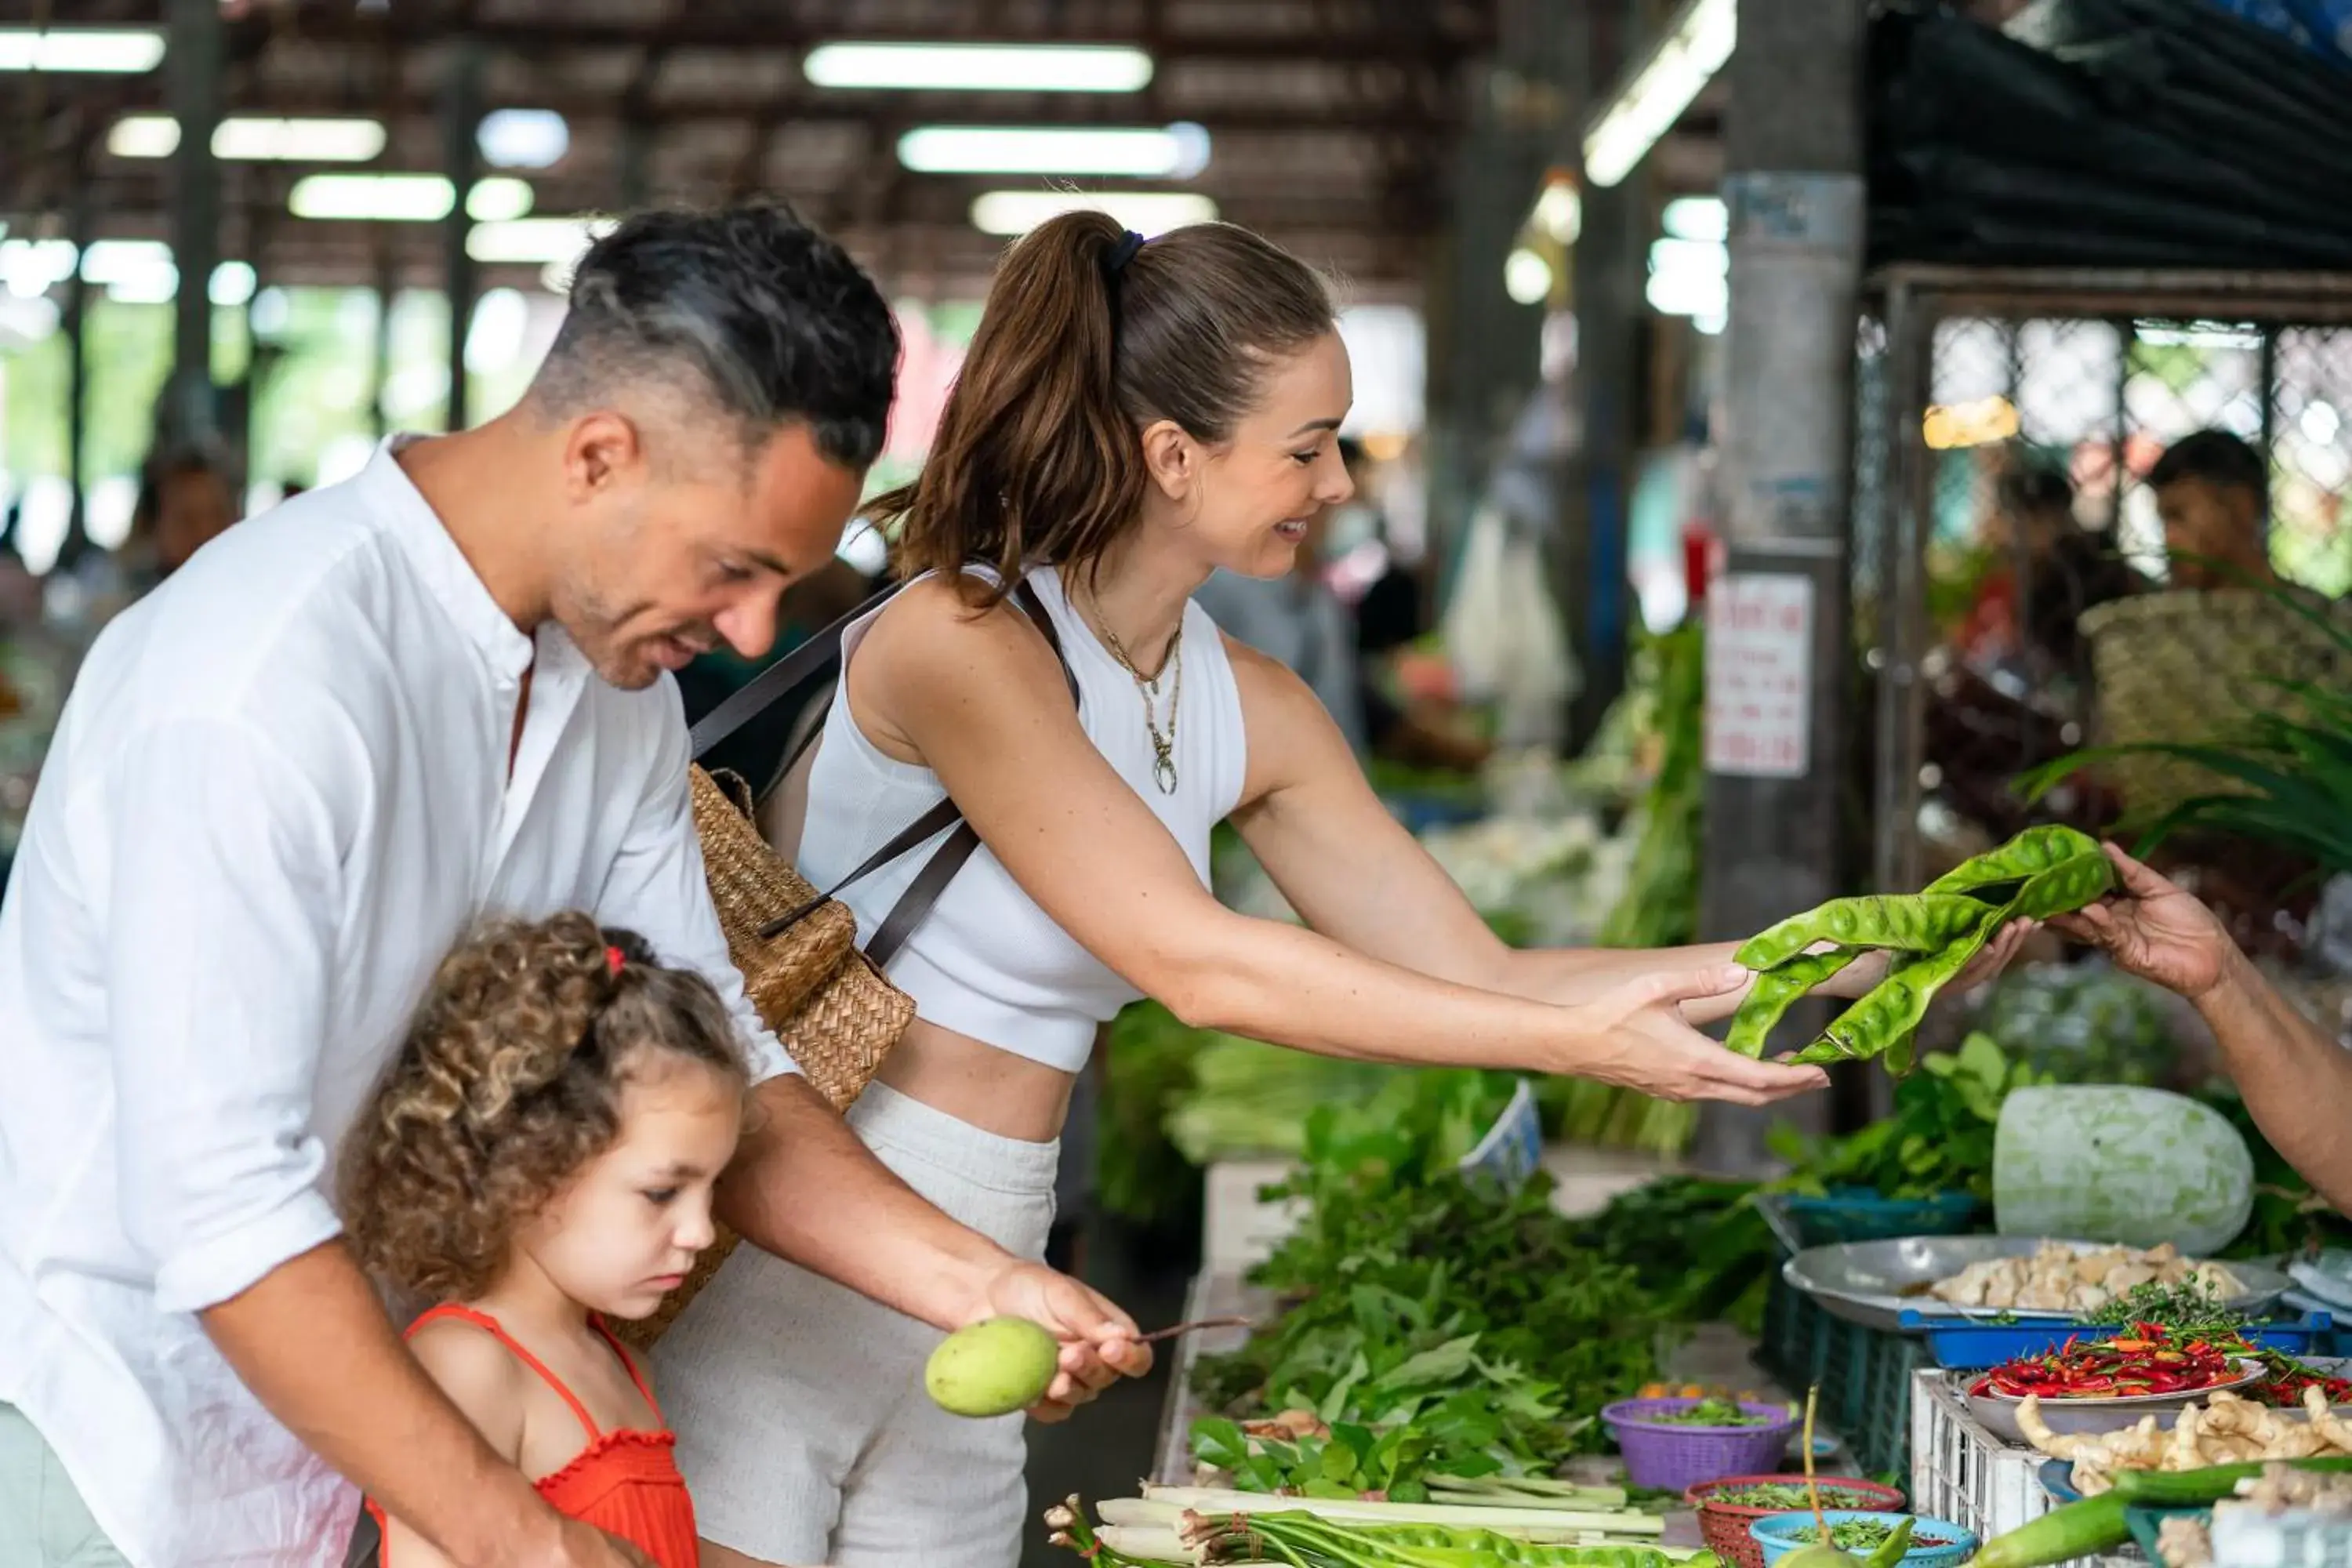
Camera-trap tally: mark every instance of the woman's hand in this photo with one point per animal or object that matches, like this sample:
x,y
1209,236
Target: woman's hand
x,y
1099,1342
1639,1039
2155,930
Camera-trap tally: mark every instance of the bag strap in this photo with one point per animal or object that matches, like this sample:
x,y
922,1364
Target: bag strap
x,y
760,693
936,872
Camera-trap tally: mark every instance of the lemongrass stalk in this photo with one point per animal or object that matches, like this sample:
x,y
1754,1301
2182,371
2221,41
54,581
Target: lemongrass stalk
x,y
1145,1543
1211,1500
1566,1493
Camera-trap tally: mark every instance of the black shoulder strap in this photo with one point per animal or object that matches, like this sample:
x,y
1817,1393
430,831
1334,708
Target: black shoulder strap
x,y
787,675
936,872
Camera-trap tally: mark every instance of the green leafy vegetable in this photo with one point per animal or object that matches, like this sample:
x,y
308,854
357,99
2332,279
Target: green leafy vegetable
x,y
1431,1325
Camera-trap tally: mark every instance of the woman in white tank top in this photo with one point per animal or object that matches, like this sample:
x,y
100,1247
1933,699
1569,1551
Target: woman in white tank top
x,y
1130,418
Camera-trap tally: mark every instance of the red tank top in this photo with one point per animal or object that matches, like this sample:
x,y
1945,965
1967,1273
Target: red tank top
x,y
624,1482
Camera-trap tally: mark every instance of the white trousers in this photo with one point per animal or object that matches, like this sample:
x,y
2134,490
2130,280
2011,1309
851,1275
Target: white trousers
x,y
802,1426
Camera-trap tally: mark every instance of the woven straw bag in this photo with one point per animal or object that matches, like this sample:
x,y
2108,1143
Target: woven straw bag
x,y
2186,667
828,1001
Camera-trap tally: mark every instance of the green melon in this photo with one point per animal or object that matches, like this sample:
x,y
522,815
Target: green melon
x,y
2135,1166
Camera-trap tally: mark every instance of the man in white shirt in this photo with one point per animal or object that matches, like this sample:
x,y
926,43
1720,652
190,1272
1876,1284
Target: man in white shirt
x,y
284,785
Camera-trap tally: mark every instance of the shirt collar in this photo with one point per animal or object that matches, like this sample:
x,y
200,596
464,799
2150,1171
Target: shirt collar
x,y
410,519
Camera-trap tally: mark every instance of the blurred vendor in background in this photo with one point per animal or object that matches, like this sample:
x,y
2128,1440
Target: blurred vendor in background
x,y
2296,1081
2212,492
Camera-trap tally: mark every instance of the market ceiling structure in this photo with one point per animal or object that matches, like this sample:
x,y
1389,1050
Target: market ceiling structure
x,y
1332,123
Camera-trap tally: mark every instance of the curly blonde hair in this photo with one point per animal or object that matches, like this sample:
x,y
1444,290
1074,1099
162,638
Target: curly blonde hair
x,y
509,1082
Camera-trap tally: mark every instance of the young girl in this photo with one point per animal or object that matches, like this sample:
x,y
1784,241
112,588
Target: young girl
x,y
538,1158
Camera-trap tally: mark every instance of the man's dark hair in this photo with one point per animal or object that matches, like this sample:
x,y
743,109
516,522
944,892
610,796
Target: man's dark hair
x,y
769,317
2218,458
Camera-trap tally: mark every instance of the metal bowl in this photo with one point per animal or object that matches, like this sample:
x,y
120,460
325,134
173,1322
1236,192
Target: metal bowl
x,y
1873,1282
1997,1413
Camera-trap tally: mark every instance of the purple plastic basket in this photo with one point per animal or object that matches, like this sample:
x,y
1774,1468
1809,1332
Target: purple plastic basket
x,y
1676,1457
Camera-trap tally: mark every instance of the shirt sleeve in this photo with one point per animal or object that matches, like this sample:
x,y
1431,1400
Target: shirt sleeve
x,y
223,894
656,888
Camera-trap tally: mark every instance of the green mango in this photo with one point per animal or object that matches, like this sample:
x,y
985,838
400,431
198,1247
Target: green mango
x,y
993,1368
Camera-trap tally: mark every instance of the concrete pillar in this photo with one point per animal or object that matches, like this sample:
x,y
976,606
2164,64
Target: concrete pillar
x,y
75,325
192,74
1778,664
637,163
461,119
1608,267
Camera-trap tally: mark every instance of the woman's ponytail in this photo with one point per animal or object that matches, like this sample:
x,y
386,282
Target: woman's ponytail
x,y
1089,335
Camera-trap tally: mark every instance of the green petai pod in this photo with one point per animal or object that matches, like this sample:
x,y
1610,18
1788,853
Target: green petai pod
x,y
1915,923
1776,991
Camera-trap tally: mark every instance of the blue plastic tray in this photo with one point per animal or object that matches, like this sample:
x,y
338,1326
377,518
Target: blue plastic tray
x,y
1857,1214
1968,1346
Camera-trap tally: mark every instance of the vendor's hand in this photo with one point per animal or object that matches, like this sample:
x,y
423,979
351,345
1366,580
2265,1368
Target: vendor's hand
x,y
1635,1037
1994,956
2156,931
1098,1340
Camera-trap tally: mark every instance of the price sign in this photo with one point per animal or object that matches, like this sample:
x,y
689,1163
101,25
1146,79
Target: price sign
x,y
1759,674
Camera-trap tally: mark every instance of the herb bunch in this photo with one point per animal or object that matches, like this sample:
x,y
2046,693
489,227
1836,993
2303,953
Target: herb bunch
x,y
1433,1323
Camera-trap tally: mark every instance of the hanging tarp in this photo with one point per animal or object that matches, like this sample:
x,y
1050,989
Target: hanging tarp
x,y
2107,133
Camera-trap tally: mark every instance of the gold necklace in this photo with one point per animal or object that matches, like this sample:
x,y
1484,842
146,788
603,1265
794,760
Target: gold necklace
x,y
1171,668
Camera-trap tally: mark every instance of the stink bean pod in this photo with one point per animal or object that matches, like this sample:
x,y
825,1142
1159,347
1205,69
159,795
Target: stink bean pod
x,y
1889,1013
2064,888
1996,871
1922,923
1885,1020
1775,991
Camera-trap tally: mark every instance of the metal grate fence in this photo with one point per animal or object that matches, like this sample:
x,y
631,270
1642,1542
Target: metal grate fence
x,y
1999,412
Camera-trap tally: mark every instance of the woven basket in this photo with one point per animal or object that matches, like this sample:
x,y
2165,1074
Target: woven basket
x,y
1725,1525
2187,668
834,1011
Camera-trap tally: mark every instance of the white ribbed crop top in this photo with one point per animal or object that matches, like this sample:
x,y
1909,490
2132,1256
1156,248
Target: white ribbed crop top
x,y
987,962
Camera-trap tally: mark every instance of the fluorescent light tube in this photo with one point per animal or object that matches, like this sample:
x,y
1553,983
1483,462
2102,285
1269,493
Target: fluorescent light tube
x,y
118,51
405,198
254,139
1148,213
536,240
980,67
1694,49
1175,151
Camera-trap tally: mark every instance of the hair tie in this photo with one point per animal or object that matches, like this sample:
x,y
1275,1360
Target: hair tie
x,y
1123,253
613,959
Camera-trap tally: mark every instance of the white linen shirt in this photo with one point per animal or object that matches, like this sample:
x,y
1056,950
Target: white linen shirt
x,y
279,795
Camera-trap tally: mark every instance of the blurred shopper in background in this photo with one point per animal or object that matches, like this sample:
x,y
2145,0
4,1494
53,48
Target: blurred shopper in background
x,y
185,500
2212,490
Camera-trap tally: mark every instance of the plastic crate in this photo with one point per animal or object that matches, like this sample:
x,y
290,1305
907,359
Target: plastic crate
x,y
1961,1472
1880,1437
1972,1346
1863,1375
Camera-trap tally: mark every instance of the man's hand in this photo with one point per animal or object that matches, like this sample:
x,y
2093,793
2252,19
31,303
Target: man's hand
x,y
1099,1342
2156,931
585,1546
1635,1035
